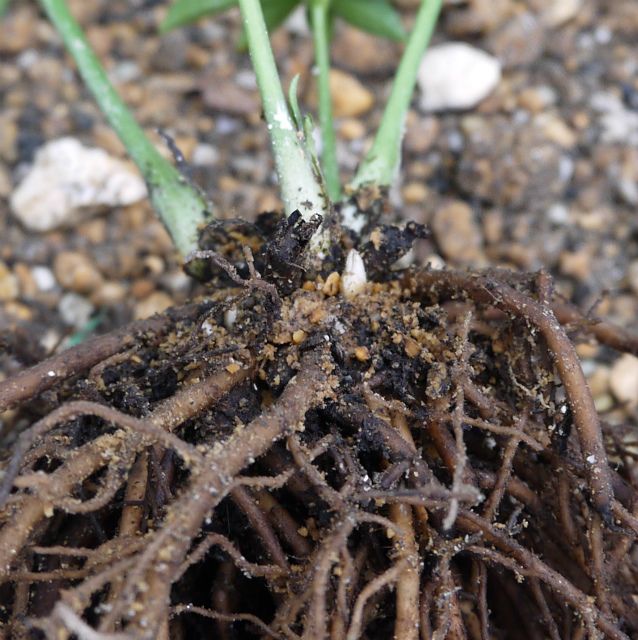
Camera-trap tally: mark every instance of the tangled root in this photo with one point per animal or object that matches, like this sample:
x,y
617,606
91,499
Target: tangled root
x,y
423,460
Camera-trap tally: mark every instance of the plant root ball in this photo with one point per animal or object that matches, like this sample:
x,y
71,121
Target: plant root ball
x,y
410,461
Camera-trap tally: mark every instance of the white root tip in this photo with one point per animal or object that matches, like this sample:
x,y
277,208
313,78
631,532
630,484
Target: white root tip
x,y
230,315
353,278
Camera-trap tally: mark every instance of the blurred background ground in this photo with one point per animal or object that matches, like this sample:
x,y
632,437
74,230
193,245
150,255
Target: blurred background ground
x,y
541,173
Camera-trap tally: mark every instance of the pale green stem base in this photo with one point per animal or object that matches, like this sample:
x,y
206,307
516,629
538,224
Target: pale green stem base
x,y
300,185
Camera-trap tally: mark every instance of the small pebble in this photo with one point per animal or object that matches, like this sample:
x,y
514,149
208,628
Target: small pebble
x,y
456,75
75,310
576,264
142,288
74,271
520,41
559,12
415,193
556,130
43,277
9,289
599,381
536,99
109,293
154,303
332,284
457,232
205,155
623,379
349,97
362,53
352,129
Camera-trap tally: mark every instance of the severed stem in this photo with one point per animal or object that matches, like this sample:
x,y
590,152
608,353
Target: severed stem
x,y
301,186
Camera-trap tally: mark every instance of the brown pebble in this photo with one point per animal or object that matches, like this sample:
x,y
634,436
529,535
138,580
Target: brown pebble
x,y
76,272
18,310
309,285
576,264
93,230
362,354
26,282
349,97
331,285
599,381
412,348
9,289
317,315
623,379
298,336
457,233
155,303
109,293
415,192
142,288
352,129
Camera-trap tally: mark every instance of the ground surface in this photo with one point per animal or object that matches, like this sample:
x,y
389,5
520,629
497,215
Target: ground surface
x,y
542,173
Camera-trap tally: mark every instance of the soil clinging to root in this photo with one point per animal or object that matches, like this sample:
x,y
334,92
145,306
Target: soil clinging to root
x,y
419,457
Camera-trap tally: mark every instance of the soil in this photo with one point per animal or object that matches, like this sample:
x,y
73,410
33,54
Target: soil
x,y
432,431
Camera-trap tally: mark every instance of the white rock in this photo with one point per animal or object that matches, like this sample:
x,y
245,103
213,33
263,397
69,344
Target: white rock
x,y
205,154
623,380
455,75
69,182
44,278
617,123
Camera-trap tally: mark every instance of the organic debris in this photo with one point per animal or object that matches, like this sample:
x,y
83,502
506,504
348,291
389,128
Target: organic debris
x,y
421,459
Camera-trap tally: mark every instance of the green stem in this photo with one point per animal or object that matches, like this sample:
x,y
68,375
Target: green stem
x,y
381,163
319,16
4,5
180,206
301,187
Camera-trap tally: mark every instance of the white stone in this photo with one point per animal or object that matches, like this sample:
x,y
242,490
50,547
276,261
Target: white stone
x,y
69,182
618,124
205,154
44,278
623,380
455,75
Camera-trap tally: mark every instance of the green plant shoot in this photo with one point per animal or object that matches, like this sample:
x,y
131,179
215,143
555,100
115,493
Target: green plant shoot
x,y
381,164
374,16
